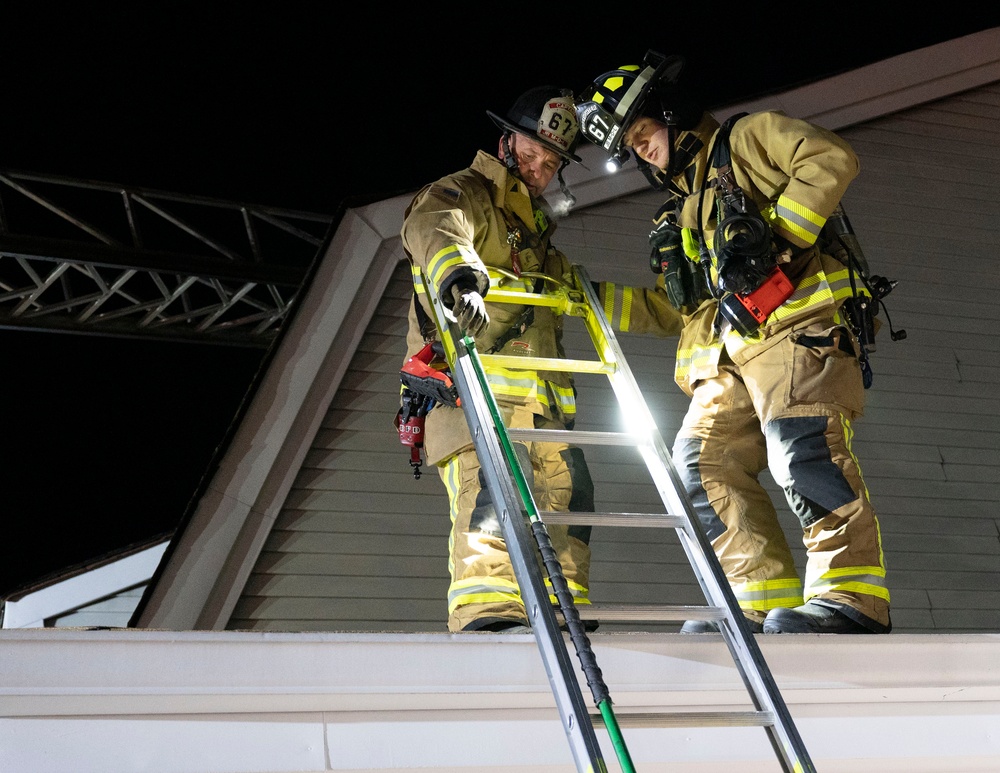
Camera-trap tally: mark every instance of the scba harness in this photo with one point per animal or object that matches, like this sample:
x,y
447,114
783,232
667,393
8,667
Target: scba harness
x,y
751,284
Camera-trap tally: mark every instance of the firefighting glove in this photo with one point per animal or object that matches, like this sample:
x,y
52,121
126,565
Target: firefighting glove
x,y
468,309
668,258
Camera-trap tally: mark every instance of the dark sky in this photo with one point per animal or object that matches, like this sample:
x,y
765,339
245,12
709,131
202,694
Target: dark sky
x,y
303,108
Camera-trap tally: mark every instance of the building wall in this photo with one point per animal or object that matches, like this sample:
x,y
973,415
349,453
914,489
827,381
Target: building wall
x,y
362,546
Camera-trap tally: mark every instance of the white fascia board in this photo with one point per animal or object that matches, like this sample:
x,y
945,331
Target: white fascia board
x,y
891,85
240,701
33,609
206,570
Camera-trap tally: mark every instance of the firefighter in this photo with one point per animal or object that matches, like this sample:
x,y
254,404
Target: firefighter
x,y
768,352
493,215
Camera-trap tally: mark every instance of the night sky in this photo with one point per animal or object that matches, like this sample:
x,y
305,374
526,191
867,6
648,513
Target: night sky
x,y
303,108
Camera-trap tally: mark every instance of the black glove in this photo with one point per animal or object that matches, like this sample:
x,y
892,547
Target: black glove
x,y
469,309
682,280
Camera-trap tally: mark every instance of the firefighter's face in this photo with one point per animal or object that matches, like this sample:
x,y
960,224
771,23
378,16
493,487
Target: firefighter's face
x,y
536,164
650,139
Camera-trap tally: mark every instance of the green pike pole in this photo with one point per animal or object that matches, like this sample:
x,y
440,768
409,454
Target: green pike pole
x,y
594,679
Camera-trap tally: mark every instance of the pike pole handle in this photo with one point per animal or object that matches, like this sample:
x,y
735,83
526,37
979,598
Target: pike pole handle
x,y
577,632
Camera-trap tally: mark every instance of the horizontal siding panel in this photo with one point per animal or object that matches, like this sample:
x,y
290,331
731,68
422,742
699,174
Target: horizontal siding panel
x,y
383,437
953,578
363,523
303,499
961,455
966,620
978,424
948,599
940,545
944,509
871,449
894,432
955,490
352,544
356,421
297,586
382,344
375,565
356,527
903,523
337,610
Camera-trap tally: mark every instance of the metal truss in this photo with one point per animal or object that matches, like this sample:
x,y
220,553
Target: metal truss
x,y
103,259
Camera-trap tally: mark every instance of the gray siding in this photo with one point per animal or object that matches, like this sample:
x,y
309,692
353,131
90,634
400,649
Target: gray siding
x,y
360,545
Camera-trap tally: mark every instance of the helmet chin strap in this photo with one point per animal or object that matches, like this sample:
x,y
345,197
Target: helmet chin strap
x,y
511,162
564,189
684,147
508,155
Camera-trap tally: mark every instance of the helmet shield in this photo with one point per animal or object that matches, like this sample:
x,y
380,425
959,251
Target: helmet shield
x,y
546,114
618,97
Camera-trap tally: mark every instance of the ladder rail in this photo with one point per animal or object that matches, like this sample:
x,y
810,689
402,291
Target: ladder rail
x,y
748,658
512,512
516,509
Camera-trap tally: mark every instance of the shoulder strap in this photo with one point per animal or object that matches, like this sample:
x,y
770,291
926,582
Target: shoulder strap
x,y
720,149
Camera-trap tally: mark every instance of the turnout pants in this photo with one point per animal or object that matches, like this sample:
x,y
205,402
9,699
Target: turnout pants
x,y
484,591
787,407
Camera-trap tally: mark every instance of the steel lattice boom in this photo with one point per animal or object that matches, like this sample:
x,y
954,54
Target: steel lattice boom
x,y
104,259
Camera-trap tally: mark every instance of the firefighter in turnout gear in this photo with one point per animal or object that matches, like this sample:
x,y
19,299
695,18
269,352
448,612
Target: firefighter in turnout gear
x,y
478,228
768,351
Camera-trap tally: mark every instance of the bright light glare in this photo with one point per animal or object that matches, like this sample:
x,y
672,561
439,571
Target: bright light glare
x,y
637,418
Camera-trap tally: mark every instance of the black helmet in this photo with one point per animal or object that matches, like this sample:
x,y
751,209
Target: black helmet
x,y
615,99
546,114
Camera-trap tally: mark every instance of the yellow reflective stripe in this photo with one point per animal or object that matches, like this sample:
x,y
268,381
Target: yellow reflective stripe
x,y
798,219
618,306
511,382
482,590
609,300
524,386
848,438
455,255
451,485
581,595
418,278
766,595
818,289
626,309
565,397
698,357
867,580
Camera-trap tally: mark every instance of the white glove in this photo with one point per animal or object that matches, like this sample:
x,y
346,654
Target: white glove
x,y
469,310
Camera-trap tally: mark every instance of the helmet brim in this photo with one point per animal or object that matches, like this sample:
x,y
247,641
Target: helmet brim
x,y
506,125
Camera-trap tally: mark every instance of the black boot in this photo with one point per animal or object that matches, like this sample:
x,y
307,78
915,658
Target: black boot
x,y
811,617
710,626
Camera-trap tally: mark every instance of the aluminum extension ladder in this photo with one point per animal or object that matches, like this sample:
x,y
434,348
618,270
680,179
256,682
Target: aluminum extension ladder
x,y
525,536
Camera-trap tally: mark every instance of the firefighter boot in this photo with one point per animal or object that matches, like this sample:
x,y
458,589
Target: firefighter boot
x,y
812,617
711,626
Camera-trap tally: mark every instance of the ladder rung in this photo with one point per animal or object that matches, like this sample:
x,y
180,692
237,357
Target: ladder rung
x,y
647,520
513,362
648,612
576,437
694,719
